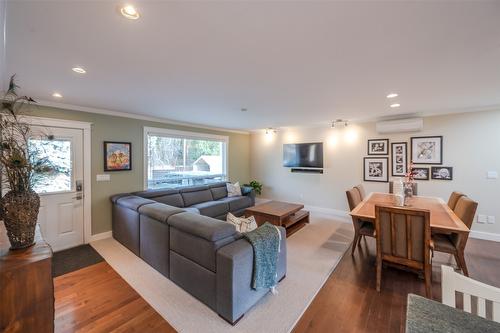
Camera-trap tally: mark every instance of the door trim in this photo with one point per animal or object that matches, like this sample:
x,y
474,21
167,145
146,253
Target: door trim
x,y
87,176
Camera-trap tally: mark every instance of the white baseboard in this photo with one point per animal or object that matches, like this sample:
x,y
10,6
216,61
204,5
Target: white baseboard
x,y
102,235
484,235
342,215
259,201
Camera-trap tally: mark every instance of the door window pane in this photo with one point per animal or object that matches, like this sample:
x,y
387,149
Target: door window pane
x,y
58,155
174,161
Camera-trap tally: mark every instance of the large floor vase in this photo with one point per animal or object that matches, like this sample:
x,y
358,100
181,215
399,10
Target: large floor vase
x,y
19,211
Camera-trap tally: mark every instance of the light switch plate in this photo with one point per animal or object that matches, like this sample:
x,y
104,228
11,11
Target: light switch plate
x,y
491,219
103,178
482,218
492,175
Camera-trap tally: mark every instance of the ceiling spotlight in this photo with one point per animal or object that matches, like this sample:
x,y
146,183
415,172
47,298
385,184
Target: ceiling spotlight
x,y
129,12
339,123
271,130
79,70
392,95
57,95
395,105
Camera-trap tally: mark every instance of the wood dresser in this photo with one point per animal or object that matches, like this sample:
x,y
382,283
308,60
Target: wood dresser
x,y
26,286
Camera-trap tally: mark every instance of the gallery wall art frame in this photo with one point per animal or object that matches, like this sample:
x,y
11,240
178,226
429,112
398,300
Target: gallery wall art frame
x,y
117,156
378,147
420,173
442,173
376,169
427,150
399,157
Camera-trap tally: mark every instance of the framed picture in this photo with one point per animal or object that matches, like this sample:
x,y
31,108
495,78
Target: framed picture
x,y
442,173
420,173
378,147
427,150
376,169
399,158
117,156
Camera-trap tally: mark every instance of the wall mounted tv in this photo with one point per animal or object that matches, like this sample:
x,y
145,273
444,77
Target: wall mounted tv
x,y
303,155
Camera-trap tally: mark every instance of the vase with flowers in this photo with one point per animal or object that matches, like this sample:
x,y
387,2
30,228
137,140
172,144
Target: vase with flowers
x,y
21,168
409,182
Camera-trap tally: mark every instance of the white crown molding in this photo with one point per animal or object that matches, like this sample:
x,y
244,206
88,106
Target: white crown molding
x,y
133,116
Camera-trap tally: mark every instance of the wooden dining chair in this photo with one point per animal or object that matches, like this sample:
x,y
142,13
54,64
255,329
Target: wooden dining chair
x,y
453,283
454,243
361,190
454,196
404,239
361,228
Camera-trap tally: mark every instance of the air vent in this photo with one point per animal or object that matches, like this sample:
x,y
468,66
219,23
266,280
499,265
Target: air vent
x,y
400,126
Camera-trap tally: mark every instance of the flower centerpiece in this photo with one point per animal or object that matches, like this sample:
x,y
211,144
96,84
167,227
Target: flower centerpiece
x,y
21,168
409,181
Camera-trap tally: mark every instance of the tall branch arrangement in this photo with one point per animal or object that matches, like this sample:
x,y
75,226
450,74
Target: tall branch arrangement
x,y
19,163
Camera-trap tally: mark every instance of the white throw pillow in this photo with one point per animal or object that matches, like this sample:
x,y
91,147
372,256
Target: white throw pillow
x,y
243,224
233,190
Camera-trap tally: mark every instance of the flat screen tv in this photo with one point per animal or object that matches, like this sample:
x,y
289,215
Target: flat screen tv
x,y
303,155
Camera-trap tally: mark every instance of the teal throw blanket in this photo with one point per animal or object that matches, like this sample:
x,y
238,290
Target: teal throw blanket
x,y
265,241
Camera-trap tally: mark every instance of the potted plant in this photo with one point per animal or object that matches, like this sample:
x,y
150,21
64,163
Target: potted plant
x,y
21,167
256,186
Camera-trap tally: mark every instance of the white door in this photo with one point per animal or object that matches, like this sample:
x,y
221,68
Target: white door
x,y
61,189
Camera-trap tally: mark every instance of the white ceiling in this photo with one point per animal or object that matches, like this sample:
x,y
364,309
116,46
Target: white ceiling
x,y
290,63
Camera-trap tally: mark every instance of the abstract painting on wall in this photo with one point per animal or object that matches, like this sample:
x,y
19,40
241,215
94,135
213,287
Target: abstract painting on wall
x,y
117,156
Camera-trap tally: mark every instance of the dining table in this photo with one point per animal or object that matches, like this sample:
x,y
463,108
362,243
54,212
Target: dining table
x,y
442,218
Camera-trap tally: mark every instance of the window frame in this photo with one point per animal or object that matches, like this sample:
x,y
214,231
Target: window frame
x,y
182,135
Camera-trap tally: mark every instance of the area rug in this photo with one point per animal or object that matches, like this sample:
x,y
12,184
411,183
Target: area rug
x,y
73,259
313,253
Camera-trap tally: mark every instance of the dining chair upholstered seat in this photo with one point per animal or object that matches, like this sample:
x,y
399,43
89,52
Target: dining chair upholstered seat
x,y
361,228
361,190
465,209
454,196
404,239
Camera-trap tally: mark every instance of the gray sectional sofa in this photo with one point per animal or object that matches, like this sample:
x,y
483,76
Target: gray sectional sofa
x,y
180,234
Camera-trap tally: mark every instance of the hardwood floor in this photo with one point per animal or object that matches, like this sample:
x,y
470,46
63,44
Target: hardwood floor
x,y
97,299
348,302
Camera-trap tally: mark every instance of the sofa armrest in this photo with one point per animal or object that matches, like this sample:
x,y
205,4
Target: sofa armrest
x,y
248,191
234,270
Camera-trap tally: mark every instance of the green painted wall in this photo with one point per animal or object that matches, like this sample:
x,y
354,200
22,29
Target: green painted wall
x,y
113,128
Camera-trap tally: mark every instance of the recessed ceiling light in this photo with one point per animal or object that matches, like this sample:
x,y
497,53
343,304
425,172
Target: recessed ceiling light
x,y
130,12
392,95
57,95
79,70
395,105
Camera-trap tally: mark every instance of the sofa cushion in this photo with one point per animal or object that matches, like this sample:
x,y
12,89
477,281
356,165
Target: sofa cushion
x,y
191,210
133,202
219,192
169,197
201,226
212,208
196,194
237,203
159,211
199,250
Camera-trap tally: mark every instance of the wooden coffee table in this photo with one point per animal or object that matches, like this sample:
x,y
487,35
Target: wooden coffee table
x,y
288,215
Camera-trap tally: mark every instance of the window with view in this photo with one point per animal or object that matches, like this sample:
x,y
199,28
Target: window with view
x,y
177,158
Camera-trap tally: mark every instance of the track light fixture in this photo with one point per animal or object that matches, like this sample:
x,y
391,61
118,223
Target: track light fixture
x,y
340,123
